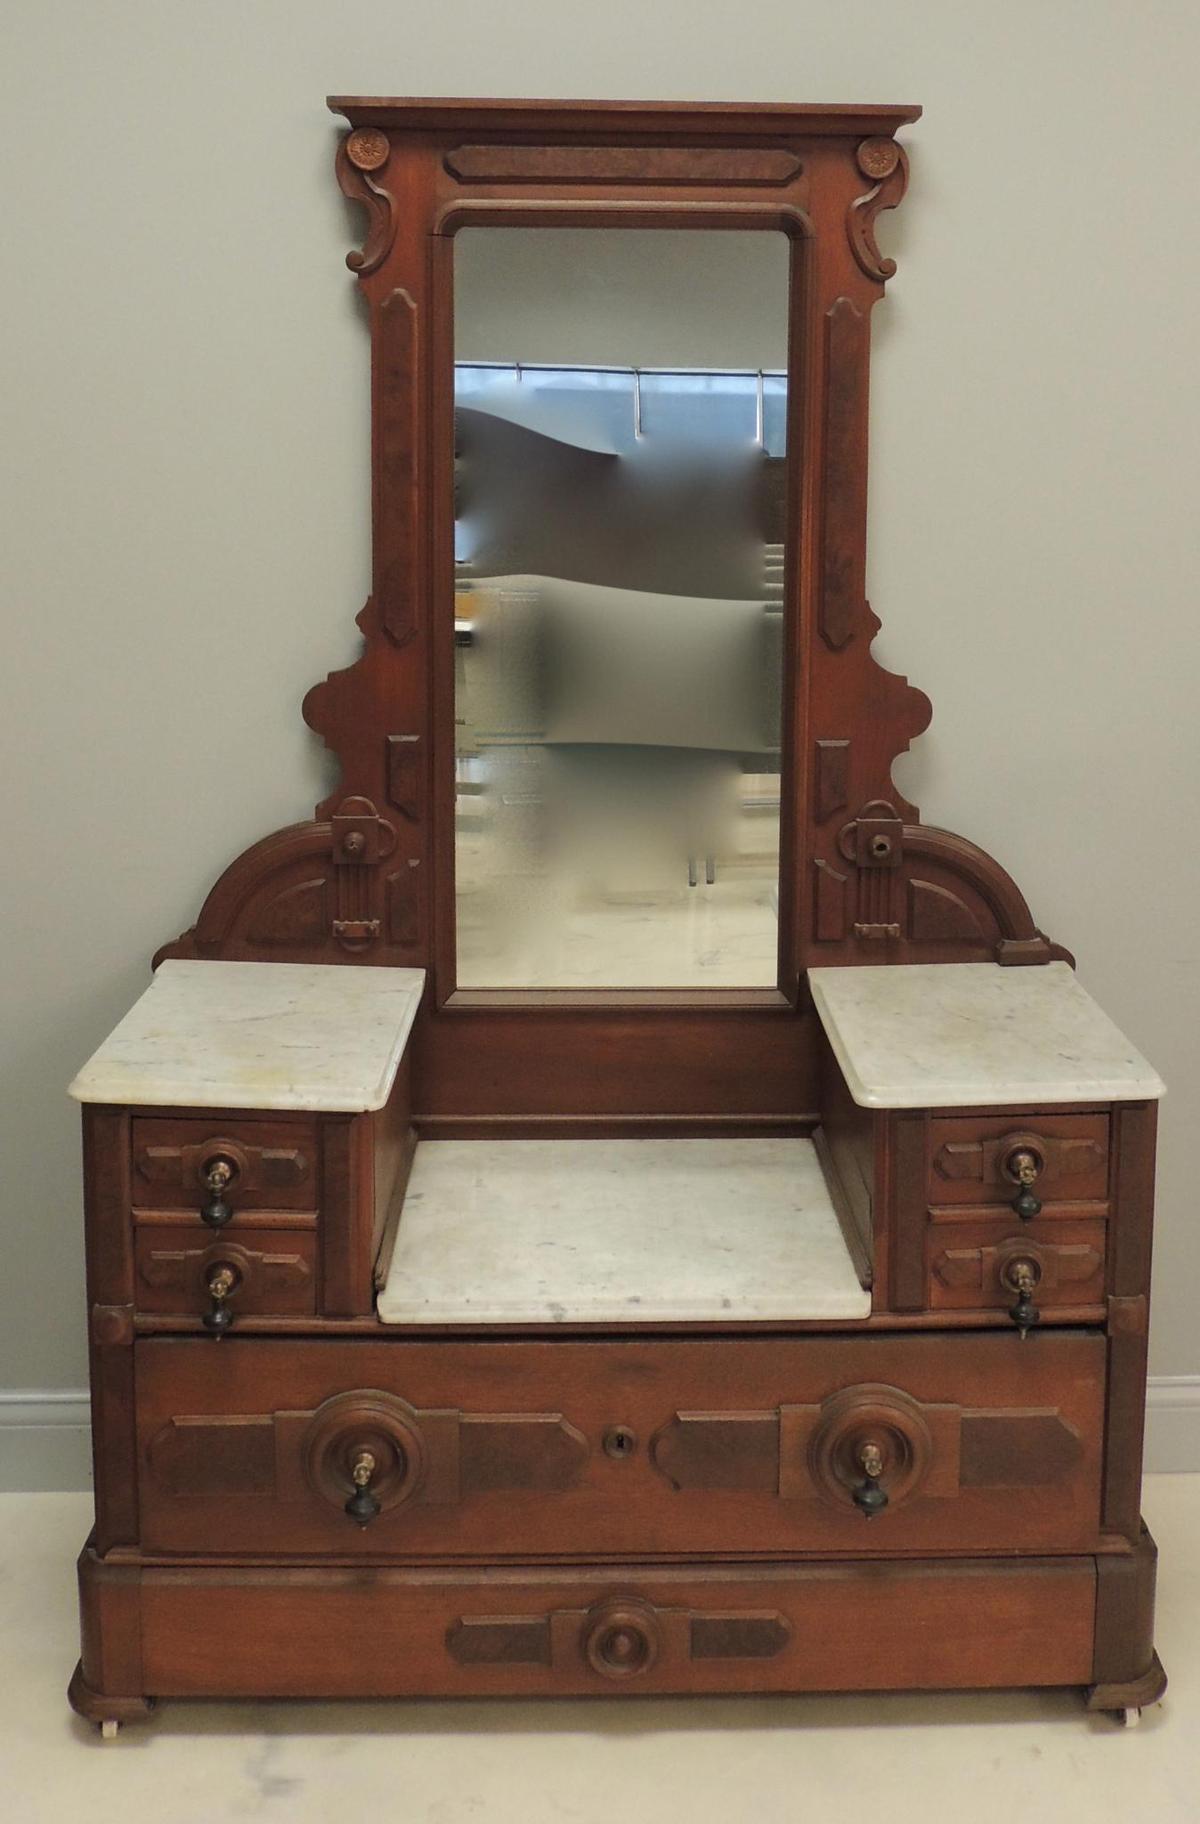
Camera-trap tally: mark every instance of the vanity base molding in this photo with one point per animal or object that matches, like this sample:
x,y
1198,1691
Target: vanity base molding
x,y
380,1632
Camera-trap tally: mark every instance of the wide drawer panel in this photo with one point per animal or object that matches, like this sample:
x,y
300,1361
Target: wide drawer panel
x,y
570,1448
643,1629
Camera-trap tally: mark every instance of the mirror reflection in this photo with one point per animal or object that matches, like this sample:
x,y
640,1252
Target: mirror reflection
x,y
620,419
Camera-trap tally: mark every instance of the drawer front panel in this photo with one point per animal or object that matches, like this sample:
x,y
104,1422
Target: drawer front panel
x,y
274,1161
642,1629
275,1269
974,1265
968,1157
982,1443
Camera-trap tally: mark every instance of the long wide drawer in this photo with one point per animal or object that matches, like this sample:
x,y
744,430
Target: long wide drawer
x,y
950,1443
365,1632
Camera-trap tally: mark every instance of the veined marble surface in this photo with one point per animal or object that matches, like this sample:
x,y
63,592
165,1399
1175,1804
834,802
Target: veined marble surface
x,y
258,1035
585,1231
913,1035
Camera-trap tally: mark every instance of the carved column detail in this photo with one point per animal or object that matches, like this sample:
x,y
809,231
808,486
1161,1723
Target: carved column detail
x,y
399,566
844,509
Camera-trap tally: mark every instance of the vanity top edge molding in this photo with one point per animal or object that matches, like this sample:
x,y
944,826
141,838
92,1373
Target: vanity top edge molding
x,y
313,1036
975,1035
420,114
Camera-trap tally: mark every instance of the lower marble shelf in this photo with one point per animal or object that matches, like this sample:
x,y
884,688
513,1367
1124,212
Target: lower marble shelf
x,y
586,1231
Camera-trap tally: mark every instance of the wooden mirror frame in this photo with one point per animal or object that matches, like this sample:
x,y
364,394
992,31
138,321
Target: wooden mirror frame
x,y
369,880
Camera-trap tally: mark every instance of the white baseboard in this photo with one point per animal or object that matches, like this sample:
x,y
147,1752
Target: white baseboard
x,y
45,1436
1173,1424
45,1440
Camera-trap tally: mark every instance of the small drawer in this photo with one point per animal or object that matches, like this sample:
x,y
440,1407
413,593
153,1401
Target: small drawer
x,y
273,1163
274,1270
970,1158
973,1266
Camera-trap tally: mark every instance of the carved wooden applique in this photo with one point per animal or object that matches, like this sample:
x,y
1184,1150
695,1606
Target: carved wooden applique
x,y
423,1457
618,1638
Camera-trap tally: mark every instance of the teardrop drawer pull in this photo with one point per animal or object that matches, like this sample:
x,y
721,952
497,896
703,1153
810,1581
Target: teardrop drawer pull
x,y
222,1281
363,1506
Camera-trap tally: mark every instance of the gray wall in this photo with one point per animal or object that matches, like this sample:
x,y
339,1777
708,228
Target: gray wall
x,y
186,502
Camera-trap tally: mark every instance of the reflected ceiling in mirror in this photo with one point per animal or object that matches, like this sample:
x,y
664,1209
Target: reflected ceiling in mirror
x,y
620,444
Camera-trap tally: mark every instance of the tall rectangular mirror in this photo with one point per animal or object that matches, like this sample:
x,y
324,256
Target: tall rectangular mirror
x,y
620,451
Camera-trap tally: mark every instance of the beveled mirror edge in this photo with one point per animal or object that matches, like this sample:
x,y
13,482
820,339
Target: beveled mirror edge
x,y
781,995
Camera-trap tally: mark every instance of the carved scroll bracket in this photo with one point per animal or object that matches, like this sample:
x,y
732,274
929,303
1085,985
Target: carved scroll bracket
x,y
362,155
887,163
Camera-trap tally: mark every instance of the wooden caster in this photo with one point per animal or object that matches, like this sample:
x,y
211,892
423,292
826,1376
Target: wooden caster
x,y
109,1729
1130,1718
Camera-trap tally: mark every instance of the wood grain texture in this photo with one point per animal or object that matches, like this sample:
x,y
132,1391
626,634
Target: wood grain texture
x,y
770,1394
635,165
110,1292
301,1633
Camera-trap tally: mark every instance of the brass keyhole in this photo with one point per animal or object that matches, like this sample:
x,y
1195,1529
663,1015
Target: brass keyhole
x,y
620,1441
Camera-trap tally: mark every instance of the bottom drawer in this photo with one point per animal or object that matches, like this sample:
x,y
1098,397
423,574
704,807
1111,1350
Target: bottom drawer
x,y
373,1632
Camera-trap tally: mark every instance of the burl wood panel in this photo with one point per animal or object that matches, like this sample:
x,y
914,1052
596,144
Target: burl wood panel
x,y
872,1626
1031,1483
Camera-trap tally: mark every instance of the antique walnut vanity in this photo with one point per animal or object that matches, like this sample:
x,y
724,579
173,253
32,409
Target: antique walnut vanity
x,y
615,1203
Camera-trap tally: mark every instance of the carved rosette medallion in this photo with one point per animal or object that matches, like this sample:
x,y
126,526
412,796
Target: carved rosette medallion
x,y
368,149
878,158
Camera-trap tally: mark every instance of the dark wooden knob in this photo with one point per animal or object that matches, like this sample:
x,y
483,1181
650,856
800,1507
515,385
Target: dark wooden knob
x,y
363,1505
622,1639
219,1174
221,1280
868,1497
1025,1166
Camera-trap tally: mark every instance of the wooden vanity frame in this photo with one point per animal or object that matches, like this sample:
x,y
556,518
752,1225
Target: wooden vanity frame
x,y
368,882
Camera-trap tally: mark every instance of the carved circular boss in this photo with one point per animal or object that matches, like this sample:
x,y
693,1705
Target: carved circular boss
x,y
353,1423
857,1418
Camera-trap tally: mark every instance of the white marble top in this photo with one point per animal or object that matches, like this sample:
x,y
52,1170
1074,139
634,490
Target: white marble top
x,y
258,1035
916,1035
587,1231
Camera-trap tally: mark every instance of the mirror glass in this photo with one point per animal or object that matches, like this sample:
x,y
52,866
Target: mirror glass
x,y
620,425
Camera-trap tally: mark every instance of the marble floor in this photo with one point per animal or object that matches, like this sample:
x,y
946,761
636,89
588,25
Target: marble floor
x,y
1022,1755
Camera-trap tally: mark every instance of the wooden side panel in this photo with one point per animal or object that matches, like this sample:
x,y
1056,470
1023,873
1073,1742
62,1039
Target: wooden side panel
x,y
1125,1613
1128,1336
909,1205
348,1215
110,1626
1134,1125
110,1282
